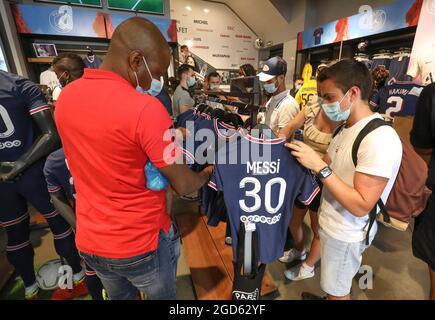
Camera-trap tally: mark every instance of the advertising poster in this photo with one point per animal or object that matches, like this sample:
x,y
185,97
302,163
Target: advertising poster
x,y
369,21
61,20
152,6
89,3
167,27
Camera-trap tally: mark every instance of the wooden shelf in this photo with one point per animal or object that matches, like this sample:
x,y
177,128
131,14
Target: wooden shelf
x,y
40,60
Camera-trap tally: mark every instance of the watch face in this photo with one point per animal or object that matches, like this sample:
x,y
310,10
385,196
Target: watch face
x,y
325,172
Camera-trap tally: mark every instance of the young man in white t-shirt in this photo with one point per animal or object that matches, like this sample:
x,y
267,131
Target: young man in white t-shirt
x,y
349,192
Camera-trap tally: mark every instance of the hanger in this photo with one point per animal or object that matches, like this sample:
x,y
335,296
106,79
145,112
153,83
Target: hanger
x,y
201,107
405,77
217,113
208,110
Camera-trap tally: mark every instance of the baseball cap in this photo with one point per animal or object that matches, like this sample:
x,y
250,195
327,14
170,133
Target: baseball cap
x,y
273,67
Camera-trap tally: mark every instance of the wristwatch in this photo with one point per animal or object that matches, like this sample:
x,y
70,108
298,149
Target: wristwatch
x,y
324,173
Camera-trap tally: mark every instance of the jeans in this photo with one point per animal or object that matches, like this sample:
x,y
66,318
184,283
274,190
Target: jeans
x,y
153,273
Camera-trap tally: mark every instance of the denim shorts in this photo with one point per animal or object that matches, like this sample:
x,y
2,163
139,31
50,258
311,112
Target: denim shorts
x,y
340,262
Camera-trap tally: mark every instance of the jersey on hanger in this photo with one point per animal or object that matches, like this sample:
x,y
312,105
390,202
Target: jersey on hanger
x,y
397,99
307,93
58,176
261,190
398,67
20,98
423,65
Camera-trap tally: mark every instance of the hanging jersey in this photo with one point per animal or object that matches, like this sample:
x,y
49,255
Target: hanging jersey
x,y
307,72
397,99
307,93
58,176
398,67
20,98
188,115
261,180
377,62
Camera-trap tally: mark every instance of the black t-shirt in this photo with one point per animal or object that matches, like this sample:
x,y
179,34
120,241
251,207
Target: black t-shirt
x,y
423,131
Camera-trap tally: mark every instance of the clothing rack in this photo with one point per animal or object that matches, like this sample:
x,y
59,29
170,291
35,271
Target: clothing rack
x,y
241,106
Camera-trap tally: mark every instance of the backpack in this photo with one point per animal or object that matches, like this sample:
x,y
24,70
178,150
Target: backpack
x,y
409,195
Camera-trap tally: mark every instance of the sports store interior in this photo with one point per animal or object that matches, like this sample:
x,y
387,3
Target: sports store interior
x,y
247,234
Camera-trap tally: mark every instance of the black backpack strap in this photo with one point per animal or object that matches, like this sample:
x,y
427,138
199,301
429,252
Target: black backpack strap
x,y
372,217
372,125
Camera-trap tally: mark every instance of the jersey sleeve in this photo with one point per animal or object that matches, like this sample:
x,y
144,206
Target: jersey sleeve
x,y
53,183
421,133
216,181
375,101
155,135
33,97
309,188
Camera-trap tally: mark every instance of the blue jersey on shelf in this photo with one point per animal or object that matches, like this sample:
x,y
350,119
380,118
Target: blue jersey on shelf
x,y
20,98
261,180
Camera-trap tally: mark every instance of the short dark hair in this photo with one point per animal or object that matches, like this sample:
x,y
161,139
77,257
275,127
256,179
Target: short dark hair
x,y
70,62
299,78
183,69
183,47
248,69
213,74
348,73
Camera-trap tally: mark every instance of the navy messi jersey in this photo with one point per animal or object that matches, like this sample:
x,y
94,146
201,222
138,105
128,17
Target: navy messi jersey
x,y
397,99
188,115
19,100
261,186
206,136
58,176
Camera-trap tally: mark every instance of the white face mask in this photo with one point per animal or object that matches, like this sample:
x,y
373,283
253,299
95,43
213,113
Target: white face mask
x,y
214,87
156,85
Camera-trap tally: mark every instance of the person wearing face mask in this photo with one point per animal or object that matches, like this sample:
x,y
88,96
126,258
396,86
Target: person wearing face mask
x,y
298,84
212,84
349,192
281,107
182,100
68,67
111,125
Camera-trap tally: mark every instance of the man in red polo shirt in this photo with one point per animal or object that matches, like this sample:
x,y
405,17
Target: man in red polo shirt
x,y
110,129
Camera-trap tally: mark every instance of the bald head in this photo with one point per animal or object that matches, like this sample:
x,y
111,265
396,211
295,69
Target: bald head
x,y
135,40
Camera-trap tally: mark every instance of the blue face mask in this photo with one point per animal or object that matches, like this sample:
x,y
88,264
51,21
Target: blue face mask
x,y
270,87
191,82
156,85
332,110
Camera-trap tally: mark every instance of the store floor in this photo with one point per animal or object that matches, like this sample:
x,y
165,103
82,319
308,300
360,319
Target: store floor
x,y
397,274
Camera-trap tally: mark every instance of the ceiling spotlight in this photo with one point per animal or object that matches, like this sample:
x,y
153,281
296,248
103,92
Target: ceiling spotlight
x,y
206,10
188,8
